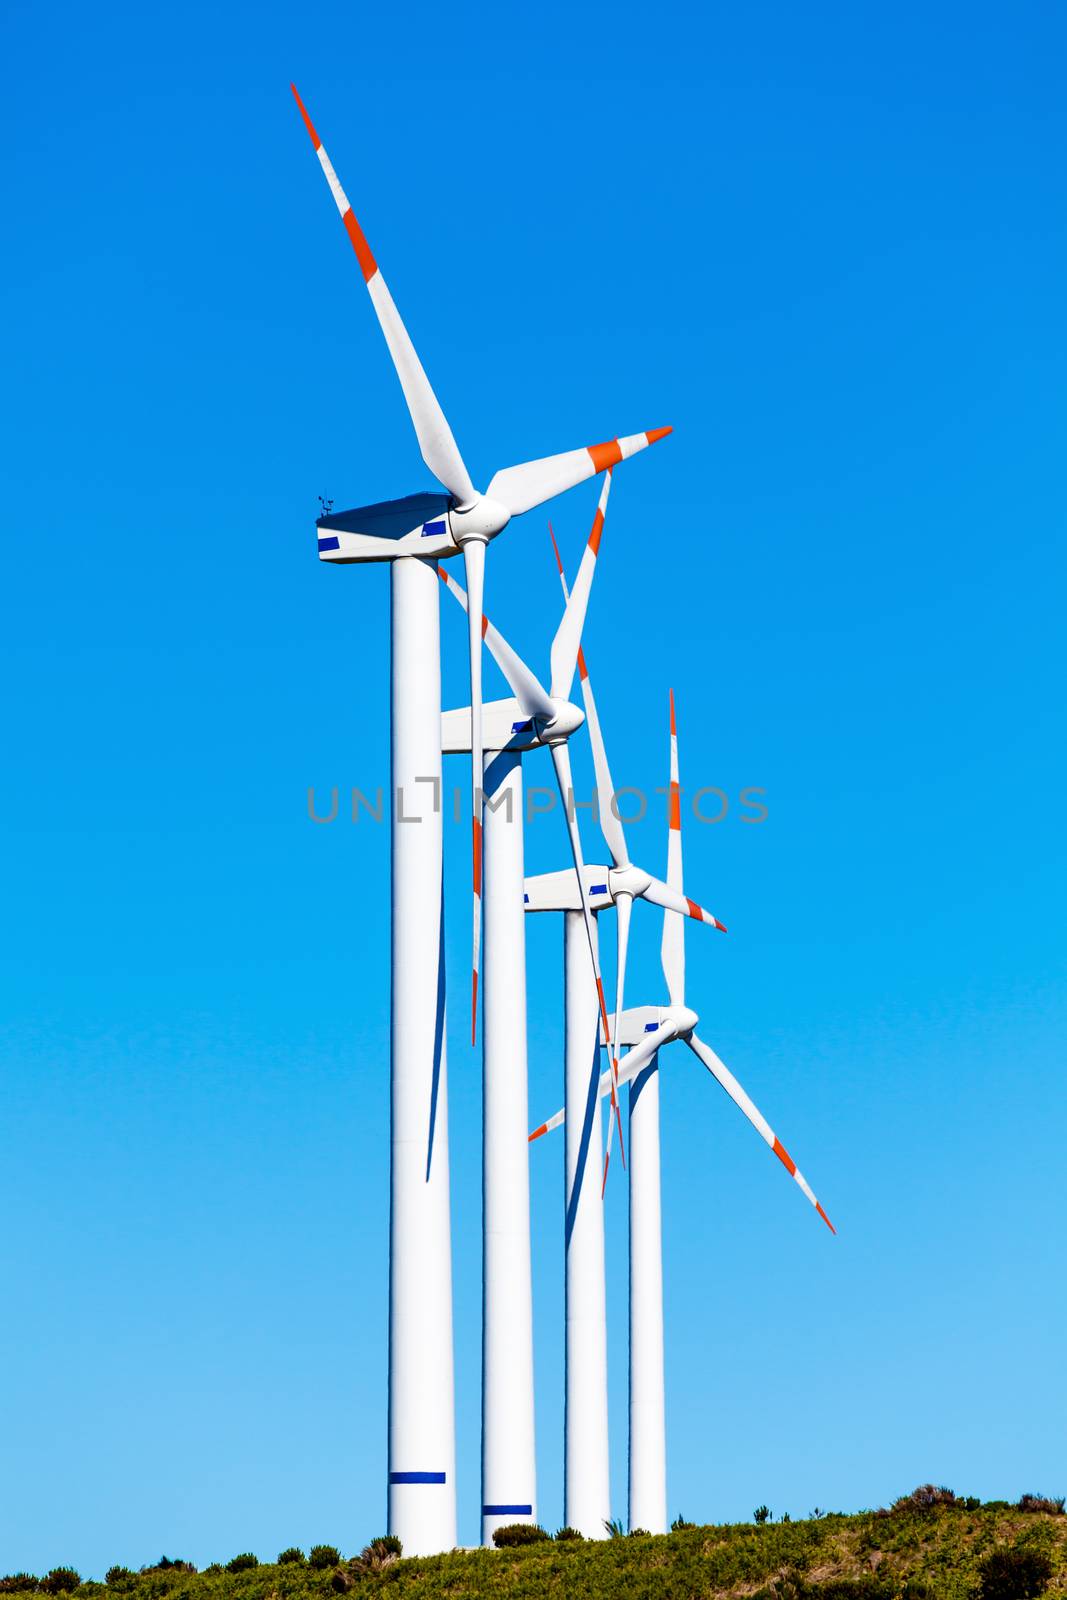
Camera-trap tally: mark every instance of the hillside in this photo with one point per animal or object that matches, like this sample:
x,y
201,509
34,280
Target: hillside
x,y
939,1553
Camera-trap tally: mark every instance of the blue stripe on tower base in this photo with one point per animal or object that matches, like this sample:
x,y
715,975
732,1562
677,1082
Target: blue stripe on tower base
x,y
416,1477
507,1511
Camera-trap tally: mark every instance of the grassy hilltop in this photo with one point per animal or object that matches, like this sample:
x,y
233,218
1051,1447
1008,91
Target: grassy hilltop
x,y
944,1550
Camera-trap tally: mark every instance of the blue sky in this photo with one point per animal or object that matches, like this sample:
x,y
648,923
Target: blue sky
x,y
828,247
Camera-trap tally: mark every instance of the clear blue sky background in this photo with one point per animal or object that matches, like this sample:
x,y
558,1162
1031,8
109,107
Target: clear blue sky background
x,y
827,244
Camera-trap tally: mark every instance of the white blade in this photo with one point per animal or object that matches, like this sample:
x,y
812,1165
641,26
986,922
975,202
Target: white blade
x,y
725,1078
474,560
661,894
672,945
610,824
568,640
623,907
439,449
531,484
561,760
526,688
629,1067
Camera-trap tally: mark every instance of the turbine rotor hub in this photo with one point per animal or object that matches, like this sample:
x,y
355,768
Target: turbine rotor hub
x,y
482,520
567,720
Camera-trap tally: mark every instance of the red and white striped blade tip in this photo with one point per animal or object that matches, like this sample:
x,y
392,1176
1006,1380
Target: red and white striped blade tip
x,y
791,1167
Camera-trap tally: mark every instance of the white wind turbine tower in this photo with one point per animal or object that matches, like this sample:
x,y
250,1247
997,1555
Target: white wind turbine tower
x,y
647,1029
510,728
412,534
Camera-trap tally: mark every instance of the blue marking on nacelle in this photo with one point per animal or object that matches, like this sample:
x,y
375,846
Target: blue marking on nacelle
x,y
429,529
329,544
598,888
526,899
650,1027
521,727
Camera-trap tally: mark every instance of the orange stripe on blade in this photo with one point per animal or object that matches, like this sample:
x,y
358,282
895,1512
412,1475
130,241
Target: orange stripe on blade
x,y
694,909
598,529
785,1158
485,624
658,433
537,1133
826,1219
477,835
583,670
674,820
555,546
368,265
604,1180
604,456
674,730
309,125
603,1011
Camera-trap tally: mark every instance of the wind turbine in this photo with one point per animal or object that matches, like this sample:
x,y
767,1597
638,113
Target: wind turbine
x,y
461,519
411,534
586,1465
647,1030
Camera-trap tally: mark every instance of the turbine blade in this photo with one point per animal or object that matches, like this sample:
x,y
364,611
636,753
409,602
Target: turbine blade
x,y
672,944
561,760
725,1078
527,689
439,449
474,561
610,824
623,907
661,894
546,1127
568,639
533,482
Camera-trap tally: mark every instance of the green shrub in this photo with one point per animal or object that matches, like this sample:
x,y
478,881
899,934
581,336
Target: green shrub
x,y
17,1583
1041,1502
614,1529
322,1556
639,1533
165,1564
513,1534
60,1580
377,1555
761,1514
291,1557
1014,1573
679,1524
927,1497
565,1534
119,1577
242,1563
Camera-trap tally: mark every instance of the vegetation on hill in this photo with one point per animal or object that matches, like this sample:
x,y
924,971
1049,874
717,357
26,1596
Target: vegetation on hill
x,y
928,1546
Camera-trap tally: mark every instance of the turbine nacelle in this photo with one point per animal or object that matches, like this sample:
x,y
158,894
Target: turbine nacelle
x,y
505,726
